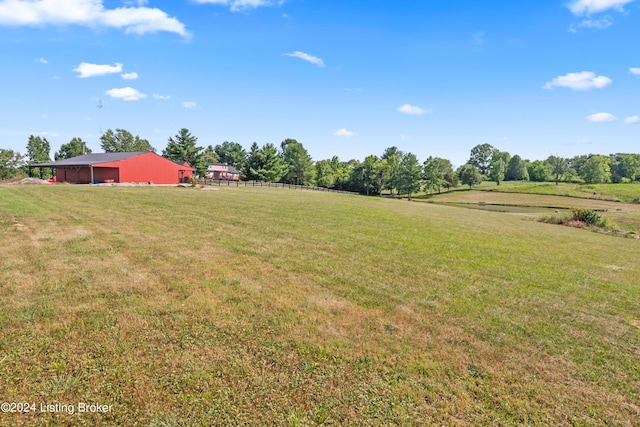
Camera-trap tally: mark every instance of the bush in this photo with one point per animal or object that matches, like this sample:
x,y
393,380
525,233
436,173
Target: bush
x,y
588,216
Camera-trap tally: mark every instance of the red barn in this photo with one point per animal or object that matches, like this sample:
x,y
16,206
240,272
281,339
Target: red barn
x,y
119,167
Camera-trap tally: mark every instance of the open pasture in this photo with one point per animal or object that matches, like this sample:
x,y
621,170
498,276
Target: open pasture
x,y
184,307
628,193
625,215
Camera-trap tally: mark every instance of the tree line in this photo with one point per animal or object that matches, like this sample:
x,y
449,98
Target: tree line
x,y
394,171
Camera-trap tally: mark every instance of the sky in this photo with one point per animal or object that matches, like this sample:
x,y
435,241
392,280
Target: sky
x,y
344,77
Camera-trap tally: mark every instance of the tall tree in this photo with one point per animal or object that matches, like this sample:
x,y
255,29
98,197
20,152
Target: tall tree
x,y
393,156
232,154
363,177
434,170
74,148
264,164
325,175
122,141
631,166
451,179
498,169
410,177
469,175
596,170
38,151
558,167
253,163
183,148
517,169
539,171
299,164
10,163
481,156
382,174
209,156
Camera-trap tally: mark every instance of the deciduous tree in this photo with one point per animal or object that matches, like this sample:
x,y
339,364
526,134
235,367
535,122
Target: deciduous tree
x,y
517,169
498,169
74,148
481,156
122,141
469,175
434,171
10,163
410,176
38,151
539,171
558,166
596,170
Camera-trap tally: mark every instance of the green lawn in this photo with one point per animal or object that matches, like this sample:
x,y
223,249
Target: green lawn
x,y
259,306
629,193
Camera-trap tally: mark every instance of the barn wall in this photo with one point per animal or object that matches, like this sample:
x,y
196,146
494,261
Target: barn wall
x,y
99,174
150,167
72,175
103,174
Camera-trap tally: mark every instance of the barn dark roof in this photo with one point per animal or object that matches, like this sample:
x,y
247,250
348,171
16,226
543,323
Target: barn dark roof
x,y
90,159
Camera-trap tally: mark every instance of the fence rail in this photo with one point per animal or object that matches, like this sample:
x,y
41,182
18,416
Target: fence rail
x,y
226,183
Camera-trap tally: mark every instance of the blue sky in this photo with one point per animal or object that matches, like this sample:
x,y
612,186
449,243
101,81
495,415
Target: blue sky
x,y
346,78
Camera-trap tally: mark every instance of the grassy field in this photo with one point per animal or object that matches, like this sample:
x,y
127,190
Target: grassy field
x,y
246,306
626,216
629,193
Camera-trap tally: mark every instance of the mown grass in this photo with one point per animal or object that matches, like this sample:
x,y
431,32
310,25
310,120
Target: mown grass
x,y
262,306
625,216
629,193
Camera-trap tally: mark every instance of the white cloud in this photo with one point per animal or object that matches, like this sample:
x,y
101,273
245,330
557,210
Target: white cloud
x,y
162,97
188,104
237,5
635,71
88,13
412,110
126,94
632,120
129,76
345,133
601,117
91,70
584,80
598,24
309,58
587,7
42,61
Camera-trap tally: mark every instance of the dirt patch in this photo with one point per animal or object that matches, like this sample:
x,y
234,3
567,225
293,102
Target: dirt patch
x,y
25,181
20,227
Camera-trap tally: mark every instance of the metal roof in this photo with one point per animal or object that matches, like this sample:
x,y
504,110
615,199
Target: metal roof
x,y
90,159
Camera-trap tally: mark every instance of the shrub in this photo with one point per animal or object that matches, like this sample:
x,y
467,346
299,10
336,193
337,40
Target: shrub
x,y
588,216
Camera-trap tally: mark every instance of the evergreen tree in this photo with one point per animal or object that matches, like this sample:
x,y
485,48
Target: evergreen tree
x,y
298,161
232,154
182,148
